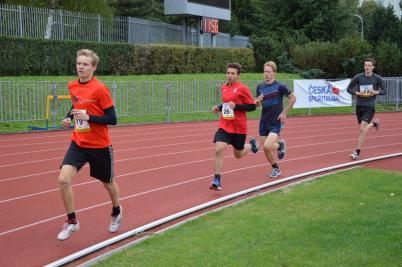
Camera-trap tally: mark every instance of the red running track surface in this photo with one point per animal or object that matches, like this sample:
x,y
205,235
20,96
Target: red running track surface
x,y
161,170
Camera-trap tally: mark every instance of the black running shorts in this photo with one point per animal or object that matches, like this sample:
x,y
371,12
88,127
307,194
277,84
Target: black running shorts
x,y
100,161
236,140
364,114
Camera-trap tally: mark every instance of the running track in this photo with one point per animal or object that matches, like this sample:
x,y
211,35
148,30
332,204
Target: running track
x,y
161,170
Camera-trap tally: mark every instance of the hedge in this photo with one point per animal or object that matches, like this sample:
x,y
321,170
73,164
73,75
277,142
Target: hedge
x,y
23,56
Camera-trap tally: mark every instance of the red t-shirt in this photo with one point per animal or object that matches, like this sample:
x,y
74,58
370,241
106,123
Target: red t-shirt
x,y
239,94
93,97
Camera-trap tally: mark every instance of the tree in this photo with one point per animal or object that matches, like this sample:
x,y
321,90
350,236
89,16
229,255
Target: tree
x,y
381,24
388,58
319,20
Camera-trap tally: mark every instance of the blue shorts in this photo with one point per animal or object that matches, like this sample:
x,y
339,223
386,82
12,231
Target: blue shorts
x,y
273,127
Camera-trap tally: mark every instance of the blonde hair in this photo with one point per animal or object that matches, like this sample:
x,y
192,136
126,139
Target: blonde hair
x,y
271,64
89,53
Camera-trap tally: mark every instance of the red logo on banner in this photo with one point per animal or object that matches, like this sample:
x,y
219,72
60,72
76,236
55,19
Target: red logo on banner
x,y
335,90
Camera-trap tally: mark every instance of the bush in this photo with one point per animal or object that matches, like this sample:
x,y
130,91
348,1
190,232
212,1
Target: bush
x,y
318,55
341,59
21,56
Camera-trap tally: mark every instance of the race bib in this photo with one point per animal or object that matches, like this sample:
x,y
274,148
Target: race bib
x,y
80,125
366,88
227,112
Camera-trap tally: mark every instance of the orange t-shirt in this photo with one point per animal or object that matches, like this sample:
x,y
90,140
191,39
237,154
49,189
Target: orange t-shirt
x,y
93,97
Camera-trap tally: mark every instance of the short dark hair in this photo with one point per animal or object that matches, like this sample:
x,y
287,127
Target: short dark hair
x,y
236,66
369,59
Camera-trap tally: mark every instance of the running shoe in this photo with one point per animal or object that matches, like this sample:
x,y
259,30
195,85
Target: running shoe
x,y
275,173
68,229
115,223
281,149
254,145
354,155
377,127
216,185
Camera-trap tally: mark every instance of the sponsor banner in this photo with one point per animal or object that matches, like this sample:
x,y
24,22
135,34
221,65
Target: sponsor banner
x,y
321,93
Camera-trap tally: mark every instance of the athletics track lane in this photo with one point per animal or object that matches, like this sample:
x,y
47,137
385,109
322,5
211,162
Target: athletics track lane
x,y
161,169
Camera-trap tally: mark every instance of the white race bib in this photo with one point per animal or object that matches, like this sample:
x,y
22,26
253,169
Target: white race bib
x,y
80,125
366,88
227,112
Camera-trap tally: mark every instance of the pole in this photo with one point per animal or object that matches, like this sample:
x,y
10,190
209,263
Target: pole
x,y
361,20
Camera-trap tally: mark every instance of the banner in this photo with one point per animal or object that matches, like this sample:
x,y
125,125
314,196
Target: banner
x,y
321,93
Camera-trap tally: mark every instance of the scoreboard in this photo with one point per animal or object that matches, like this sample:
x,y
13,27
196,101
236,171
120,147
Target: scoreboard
x,y
225,4
214,9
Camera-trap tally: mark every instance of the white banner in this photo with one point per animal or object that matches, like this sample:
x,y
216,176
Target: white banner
x,y
321,93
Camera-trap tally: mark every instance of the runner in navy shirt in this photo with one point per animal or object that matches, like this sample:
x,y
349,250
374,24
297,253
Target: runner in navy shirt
x,y
270,95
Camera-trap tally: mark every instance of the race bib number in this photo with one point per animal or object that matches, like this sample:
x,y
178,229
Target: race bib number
x,y
366,88
80,125
227,112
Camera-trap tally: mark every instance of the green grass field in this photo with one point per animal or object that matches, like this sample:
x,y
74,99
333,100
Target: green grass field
x,y
350,218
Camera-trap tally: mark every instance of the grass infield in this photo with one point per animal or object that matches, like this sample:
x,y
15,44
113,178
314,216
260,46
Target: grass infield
x,y
350,218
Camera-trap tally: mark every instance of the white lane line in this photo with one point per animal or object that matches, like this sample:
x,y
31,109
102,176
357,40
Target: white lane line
x,y
176,144
169,128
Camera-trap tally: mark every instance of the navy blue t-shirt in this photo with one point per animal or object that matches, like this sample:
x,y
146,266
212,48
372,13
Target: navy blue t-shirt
x,y
272,103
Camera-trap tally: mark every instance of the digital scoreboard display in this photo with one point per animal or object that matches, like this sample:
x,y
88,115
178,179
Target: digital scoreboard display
x,y
225,4
210,25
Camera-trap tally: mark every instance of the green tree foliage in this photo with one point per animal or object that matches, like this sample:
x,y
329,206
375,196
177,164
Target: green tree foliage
x,y
335,59
138,8
318,55
352,52
381,24
243,19
92,6
319,20
388,58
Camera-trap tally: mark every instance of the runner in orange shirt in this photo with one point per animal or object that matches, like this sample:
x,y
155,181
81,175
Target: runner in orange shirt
x,y
93,110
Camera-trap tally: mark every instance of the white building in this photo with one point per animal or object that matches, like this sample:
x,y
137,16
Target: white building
x,y
386,3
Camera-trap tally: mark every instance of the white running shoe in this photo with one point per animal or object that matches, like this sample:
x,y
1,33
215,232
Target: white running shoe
x,y
115,223
354,155
68,229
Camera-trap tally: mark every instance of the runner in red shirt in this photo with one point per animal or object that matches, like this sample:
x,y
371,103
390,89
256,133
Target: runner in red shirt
x,y
236,101
92,111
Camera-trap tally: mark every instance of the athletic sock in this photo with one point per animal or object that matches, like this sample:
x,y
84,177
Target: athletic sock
x,y
116,211
358,151
217,176
71,218
275,165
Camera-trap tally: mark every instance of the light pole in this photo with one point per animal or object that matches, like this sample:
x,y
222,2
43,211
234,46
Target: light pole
x,y
361,20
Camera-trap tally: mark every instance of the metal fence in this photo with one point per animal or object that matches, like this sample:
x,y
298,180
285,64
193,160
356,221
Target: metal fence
x,y
56,24
27,100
